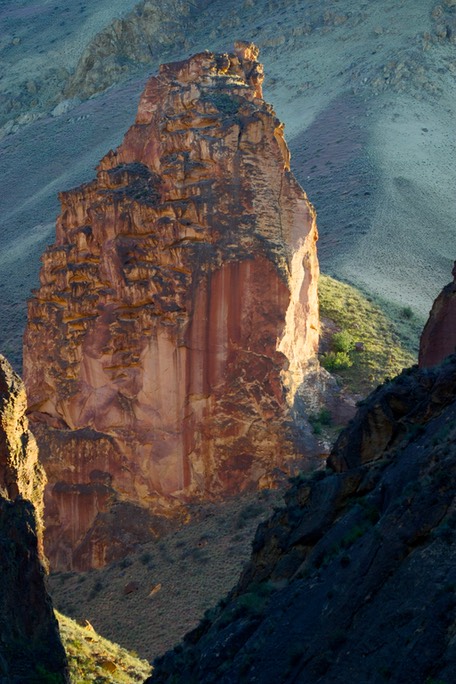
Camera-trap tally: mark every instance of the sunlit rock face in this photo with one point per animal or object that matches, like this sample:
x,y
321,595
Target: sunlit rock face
x,y
21,474
29,636
439,335
177,314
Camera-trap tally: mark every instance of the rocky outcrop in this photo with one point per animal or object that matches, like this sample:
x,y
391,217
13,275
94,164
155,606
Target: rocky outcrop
x,y
136,39
354,580
30,647
439,335
21,474
389,414
177,315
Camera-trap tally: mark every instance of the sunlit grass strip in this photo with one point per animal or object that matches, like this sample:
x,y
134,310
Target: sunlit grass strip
x,y
95,659
382,355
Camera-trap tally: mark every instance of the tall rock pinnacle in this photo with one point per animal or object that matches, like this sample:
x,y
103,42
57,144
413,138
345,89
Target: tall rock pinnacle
x,y
177,313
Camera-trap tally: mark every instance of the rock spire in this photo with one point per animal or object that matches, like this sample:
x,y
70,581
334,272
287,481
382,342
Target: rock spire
x,y
177,314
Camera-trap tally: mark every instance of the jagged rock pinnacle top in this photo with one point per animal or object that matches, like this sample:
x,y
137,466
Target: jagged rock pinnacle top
x,y
177,313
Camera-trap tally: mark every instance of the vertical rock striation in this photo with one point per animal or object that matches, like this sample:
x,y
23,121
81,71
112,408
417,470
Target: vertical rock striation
x,y
30,647
438,339
177,314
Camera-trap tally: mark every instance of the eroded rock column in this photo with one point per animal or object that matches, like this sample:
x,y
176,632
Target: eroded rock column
x,y
177,314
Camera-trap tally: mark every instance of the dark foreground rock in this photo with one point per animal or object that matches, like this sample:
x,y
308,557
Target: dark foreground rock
x,y
354,580
30,646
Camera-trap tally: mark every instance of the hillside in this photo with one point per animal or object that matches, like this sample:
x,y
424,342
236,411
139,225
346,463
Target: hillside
x,y
149,600
366,92
374,345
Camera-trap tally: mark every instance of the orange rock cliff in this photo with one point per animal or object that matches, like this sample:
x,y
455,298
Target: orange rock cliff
x,y
438,339
177,315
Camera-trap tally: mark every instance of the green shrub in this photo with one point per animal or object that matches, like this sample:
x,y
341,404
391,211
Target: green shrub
x,y
342,341
407,312
224,103
320,420
145,557
333,361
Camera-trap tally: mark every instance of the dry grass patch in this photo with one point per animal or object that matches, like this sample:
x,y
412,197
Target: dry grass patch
x,y
151,599
95,659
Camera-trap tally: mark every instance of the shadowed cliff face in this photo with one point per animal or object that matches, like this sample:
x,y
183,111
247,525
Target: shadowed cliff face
x,y
30,647
354,579
177,314
439,335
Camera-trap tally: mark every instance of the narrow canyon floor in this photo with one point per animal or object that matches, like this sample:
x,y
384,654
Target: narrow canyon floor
x,y
149,600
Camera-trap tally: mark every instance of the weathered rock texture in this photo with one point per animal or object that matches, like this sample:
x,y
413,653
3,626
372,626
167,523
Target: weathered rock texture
x,y
139,37
21,474
354,579
439,335
177,314
30,647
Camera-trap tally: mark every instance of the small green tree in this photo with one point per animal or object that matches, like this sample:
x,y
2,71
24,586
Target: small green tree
x,y
333,361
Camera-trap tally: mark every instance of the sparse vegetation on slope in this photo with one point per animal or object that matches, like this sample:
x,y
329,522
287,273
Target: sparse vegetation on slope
x,y
150,599
94,659
360,343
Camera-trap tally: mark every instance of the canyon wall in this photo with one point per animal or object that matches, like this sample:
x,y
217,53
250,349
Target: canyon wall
x,y
30,647
352,580
438,339
177,315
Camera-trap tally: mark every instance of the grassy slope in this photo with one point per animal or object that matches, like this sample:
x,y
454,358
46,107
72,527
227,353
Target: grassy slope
x,y
95,659
387,343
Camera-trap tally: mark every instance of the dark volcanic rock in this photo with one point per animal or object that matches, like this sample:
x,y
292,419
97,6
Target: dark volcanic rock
x,y
439,334
30,646
391,412
354,580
